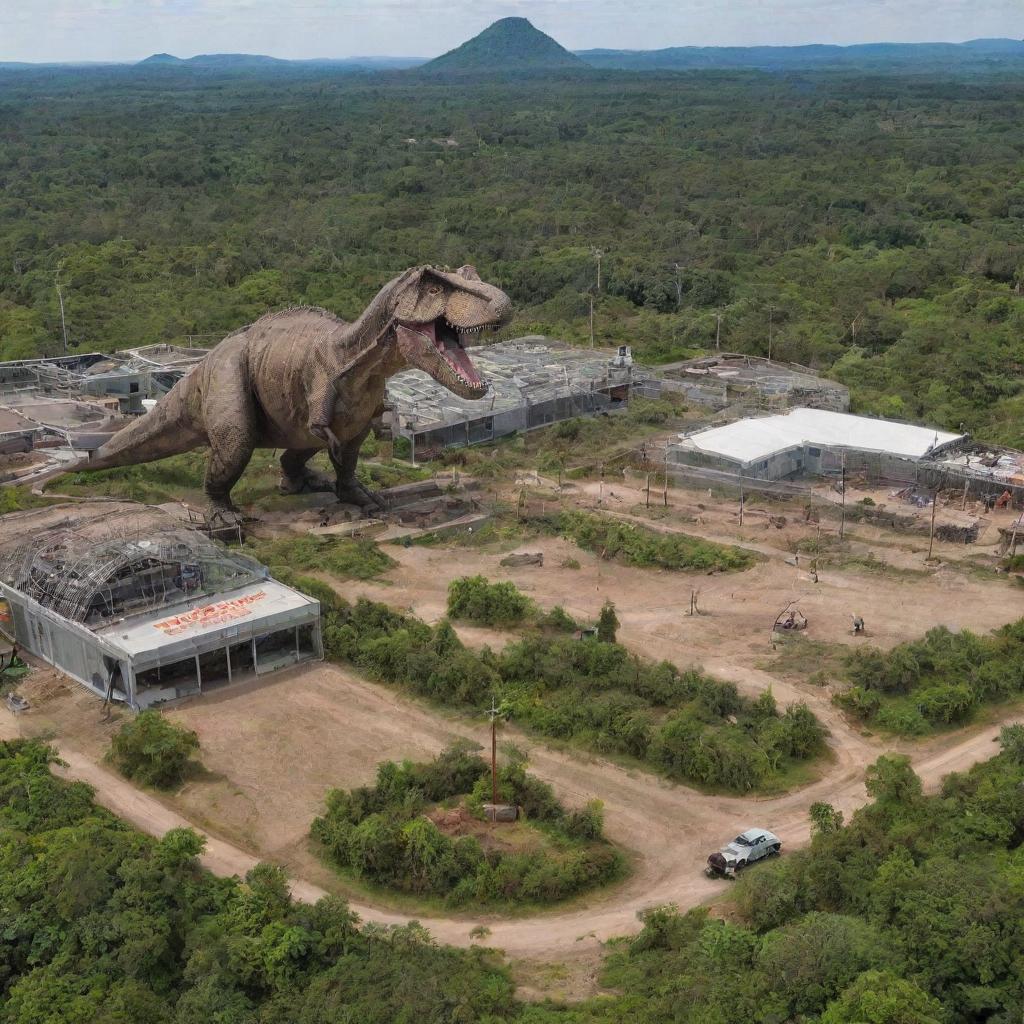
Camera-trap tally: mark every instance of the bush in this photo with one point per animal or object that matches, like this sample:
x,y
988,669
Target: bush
x,y
474,599
639,546
936,681
153,751
382,833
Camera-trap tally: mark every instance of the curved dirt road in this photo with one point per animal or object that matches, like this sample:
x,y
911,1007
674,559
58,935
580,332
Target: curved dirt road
x,y
669,827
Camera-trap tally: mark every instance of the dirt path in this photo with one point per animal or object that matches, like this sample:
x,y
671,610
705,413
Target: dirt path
x,y
668,827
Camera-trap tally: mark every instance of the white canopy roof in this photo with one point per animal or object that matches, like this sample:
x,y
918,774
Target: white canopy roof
x,y
751,440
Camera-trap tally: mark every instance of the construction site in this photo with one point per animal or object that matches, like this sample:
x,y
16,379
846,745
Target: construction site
x,y
843,520
748,383
53,411
141,609
534,382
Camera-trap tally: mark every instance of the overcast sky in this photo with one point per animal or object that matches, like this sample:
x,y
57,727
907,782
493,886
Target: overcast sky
x,y
41,30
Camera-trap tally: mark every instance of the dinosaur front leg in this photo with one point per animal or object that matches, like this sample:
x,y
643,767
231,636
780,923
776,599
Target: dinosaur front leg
x,y
345,458
297,477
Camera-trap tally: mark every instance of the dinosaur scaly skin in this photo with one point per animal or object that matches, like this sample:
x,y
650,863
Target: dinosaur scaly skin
x,y
303,380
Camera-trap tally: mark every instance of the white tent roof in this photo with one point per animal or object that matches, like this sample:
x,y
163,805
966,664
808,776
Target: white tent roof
x,y
751,440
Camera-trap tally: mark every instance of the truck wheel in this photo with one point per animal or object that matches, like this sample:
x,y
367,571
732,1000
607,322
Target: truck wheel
x,y
774,850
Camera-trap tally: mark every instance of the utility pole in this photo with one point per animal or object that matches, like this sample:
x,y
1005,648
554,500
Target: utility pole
x,y
60,299
931,529
718,332
742,497
842,517
493,713
598,254
771,317
592,319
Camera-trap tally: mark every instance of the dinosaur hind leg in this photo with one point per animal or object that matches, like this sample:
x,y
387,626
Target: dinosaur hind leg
x,y
230,452
232,431
297,477
348,488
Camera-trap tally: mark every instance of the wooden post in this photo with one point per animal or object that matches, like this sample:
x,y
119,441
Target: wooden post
x,y
931,531
842,514
493,711
742,500
494,758
648,490
963,502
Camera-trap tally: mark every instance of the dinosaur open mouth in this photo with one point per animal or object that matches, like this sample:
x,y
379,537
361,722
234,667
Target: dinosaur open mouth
x,y
449,343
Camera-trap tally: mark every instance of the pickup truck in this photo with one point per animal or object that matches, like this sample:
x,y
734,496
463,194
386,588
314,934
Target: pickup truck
x,y
747,847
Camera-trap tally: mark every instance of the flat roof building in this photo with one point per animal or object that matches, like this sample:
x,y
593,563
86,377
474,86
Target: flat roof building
x,y
140,608
534,381
808,441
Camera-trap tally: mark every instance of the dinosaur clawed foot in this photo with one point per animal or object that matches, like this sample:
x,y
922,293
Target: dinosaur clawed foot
x,y
352,492
224,513
309,480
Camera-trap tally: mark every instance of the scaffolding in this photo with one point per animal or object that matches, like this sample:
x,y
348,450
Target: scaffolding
x,y
533,382
98,563
750,383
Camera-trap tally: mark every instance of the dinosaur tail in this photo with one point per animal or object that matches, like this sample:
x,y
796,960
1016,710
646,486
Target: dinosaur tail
x,y
167,429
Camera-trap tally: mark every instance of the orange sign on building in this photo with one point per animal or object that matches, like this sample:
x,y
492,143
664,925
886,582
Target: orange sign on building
x,y
210,614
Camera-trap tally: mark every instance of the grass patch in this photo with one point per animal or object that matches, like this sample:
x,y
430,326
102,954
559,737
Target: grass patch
x,y
180,477
635,545
346,557
804,657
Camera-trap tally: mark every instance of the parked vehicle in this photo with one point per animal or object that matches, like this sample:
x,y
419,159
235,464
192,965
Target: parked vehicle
x,y
747,847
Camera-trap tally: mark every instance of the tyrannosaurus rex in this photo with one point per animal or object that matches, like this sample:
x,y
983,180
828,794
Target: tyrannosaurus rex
x,y
303,380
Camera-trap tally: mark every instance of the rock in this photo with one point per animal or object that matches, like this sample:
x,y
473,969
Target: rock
x,y
516,561
501,812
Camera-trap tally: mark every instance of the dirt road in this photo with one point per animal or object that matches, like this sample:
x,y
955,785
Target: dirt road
x,y
669,828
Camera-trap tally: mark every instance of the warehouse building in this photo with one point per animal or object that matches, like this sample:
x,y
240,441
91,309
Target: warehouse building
x,y
809,442
730,380
533,380
139,608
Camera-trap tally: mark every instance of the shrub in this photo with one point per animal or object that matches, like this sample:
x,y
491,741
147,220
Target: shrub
x,y
607,623
557,620
153,751
381,832
938,680
639,546
474,599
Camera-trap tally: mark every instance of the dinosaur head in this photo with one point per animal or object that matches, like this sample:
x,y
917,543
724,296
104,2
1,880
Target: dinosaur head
x,y
437,314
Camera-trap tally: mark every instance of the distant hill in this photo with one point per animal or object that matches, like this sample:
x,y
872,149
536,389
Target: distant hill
x,y
511,44
245,61
158,59
777,58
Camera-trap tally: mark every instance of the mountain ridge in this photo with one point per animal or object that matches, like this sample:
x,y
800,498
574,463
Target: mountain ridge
x,y
509,44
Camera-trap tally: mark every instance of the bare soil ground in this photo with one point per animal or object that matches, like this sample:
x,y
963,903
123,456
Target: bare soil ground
x,y
272,748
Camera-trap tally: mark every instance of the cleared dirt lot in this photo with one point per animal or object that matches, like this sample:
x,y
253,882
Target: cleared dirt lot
x,y
271,749
269,791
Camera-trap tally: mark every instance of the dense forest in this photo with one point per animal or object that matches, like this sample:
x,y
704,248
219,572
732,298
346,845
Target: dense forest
x,y
910,914
867,224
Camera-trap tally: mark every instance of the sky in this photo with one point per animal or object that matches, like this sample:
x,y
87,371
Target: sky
x,y
91,30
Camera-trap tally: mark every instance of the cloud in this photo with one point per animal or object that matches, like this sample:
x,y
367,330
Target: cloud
x,y
129,29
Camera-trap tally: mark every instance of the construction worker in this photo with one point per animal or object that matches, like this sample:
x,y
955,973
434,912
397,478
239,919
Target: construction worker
x,y
1004,500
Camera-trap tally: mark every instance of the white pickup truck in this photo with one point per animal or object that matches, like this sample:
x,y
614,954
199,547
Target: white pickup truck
x,y
747,847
